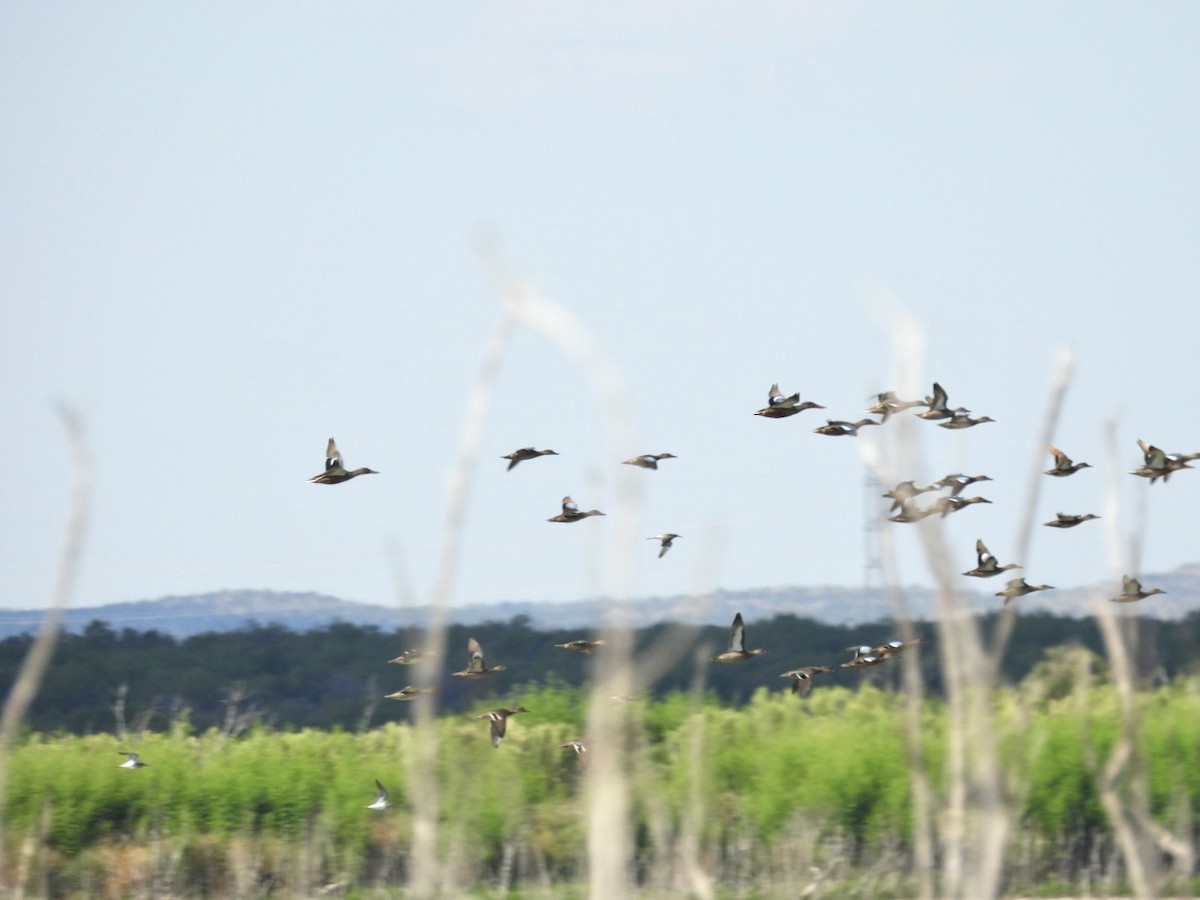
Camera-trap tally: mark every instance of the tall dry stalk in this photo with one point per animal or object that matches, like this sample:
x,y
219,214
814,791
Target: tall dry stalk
x,y
609,841
29,678
1123,783
976,818
607,792
427,876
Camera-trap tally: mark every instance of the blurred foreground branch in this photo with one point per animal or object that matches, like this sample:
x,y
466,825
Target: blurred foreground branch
x,y
25,687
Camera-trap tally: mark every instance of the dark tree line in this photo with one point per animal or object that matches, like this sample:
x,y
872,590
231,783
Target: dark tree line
x,y
336,677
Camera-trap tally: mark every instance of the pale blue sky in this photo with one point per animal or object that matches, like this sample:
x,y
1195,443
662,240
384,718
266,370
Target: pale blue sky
x,y
230,231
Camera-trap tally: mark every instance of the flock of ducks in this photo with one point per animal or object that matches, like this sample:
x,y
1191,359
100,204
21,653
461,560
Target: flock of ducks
x,y
1156,464
935,407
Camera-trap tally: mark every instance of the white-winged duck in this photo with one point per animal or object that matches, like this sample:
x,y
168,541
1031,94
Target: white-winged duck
x,y
648,460
499,720
666,540
381,797
776,398
864,656
132,761
1159,464
523,454
572,513
780,407
1018,587
938,407
335,472
802,678
895,648
1064,465
737,643
1067,520
986,564
1131,591
475,662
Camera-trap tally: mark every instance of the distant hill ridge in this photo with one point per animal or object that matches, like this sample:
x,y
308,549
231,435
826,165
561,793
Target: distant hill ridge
x,y
233,609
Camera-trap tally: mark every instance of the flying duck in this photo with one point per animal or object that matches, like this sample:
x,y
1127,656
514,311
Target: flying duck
x,y
895,648
888,404
1064,465
411,693
910,512
963,420
953,503
411,657
132,762
987,565
666,539
840,428
335,472
475,663
956,482
381,797
864,656
499,720
523,454
584,647
648,460
1158,464
905,491
780,407
1064,520
1018,587
802,678
571,513
938,408
1131,591
737,643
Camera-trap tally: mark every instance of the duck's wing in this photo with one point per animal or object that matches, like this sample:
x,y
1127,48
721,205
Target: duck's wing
x,y
939,398
802,682
475,662
774,398
1130,585
737,635
1155,458
499,726
333,459
380,792
569,505
982,553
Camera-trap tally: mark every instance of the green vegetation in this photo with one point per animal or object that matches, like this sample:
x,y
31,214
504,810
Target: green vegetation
x,y
335,677
772,788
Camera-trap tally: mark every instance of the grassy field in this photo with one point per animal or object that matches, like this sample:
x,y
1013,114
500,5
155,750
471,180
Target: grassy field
x,y
776,797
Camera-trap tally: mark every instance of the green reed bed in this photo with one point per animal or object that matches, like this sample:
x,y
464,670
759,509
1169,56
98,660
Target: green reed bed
x,y
772,791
